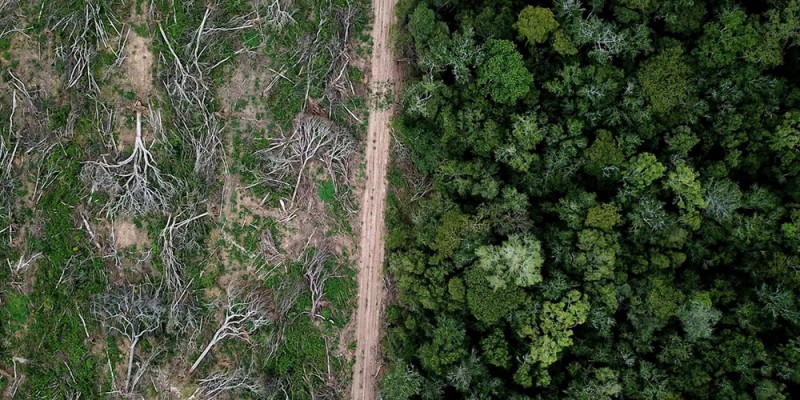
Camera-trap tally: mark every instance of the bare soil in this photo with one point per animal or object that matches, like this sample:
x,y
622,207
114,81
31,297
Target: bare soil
x,y
249,73
138,56
35,67
139,65
127,235
138,75
370,275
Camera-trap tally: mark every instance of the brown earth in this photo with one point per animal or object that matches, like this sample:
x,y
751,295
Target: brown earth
x,y
126,235
139,65
370,276
138,75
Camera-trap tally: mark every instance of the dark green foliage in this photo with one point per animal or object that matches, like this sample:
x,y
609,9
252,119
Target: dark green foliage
x,y
503,73
401,382
326,191
665,79
487,304
535,23
615,204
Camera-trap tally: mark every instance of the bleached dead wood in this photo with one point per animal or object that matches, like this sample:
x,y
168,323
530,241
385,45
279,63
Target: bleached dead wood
x,y
312,138
219,382
9,17
245,312
83,36
132,311
173,270
316,273
7,150
135,184
278,14
19,270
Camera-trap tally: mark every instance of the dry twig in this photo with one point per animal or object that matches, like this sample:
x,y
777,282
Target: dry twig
x,y
135,184
133,312
312,139
245,312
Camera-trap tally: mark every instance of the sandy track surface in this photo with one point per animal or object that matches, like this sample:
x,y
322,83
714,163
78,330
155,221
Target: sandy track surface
x,y
370,273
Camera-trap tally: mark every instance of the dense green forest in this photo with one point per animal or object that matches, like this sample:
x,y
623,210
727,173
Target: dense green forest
x,y
596,199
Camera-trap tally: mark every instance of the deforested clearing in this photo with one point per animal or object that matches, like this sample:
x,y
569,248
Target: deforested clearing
x,y
178,186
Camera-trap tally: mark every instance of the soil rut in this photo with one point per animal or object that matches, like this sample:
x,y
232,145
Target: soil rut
x,y
370,274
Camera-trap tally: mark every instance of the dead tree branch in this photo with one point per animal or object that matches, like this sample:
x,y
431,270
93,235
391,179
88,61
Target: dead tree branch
x,y
268,248
220,382
334,71
207,145
180,80
83,34
173,270
245,312
186,80
20,268
135,184
337,158
278,14
311,139
132,312
7,151
316,274
28,124
9,17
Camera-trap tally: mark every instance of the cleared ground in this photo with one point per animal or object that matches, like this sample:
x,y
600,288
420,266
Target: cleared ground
x,y
370,274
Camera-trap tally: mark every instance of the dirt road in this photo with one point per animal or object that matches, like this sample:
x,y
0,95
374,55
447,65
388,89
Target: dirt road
x,y
370,263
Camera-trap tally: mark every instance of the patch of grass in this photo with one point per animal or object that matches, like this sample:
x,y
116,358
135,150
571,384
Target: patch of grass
x,y
326,191
240,105
112,350
127,94
251,38
16,310
303,346
340,291
141,30
65,282
397,179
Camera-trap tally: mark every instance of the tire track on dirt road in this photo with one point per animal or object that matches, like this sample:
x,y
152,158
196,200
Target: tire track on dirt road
x,y
370,274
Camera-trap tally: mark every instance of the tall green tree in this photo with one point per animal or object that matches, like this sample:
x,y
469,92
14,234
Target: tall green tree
x,y
503,73
518,261
536,23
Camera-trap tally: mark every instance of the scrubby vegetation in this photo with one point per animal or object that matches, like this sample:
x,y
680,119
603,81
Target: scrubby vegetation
x,y
152,251
596,199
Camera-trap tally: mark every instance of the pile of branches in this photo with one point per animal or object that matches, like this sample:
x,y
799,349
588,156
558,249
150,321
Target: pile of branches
x,y
134,312
238,380
138,312
277,13
29,120
247,309
317,272
23,128
8,150
312,139
193,56
81,33
135,184
172,238
9,17
335,48
186,69
322,57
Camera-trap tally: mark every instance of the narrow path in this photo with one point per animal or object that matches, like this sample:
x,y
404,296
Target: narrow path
x,y
370,263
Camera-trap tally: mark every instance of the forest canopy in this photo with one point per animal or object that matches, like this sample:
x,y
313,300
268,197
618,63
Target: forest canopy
x,y
598,199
